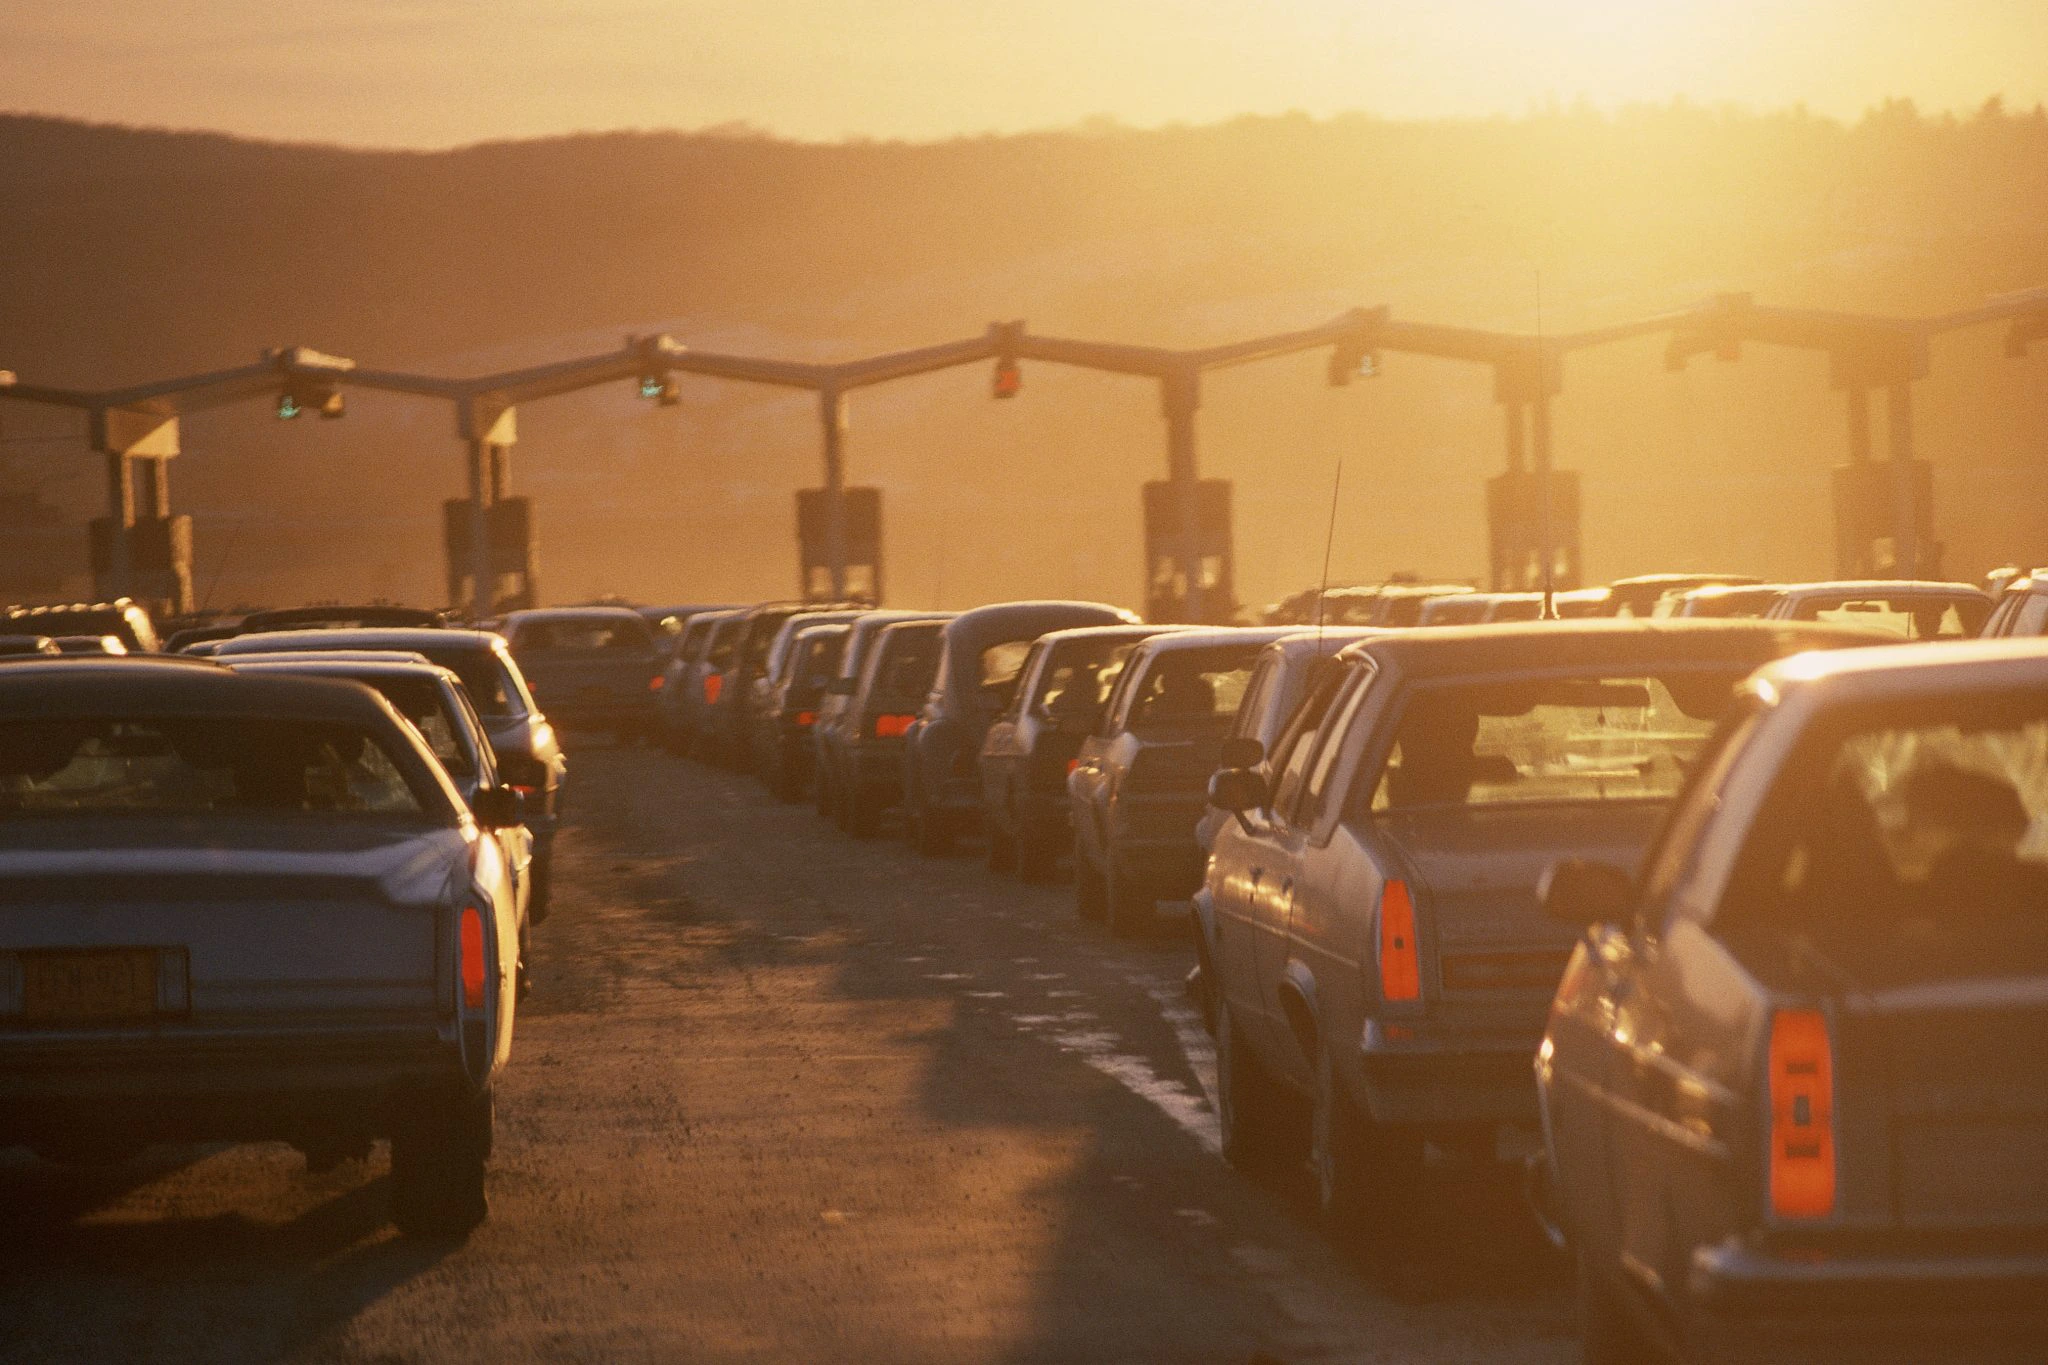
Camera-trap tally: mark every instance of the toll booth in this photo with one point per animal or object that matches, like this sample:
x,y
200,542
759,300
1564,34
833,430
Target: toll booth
x,y
512,555
1866,544
862,534
159,563
1166,586
1514,521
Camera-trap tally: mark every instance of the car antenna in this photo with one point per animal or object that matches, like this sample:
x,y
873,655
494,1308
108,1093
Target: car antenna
x,y
1329,540
1543,471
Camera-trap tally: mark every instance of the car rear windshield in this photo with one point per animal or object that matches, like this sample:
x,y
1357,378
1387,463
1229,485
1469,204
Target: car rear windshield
x,y
999,668
1909,845
486,677
1592,738
905,668
1910,616
192,765
585,634
420,701
1194,686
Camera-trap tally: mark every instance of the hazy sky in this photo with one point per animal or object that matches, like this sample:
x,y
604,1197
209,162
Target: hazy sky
x,y
438,72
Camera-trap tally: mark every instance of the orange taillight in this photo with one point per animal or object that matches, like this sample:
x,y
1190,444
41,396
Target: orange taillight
x,y
1400,960
714,683
656,683
804,718
892,727
471,935
1802,1079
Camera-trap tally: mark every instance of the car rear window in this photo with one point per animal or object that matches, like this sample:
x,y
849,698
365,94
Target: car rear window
x,y
585,634
1912,617
1194,686
1000,667
1585,738
488,679
422,703
1076,681
192,765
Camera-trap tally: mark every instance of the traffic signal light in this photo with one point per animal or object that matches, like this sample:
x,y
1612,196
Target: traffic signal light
x,y
1008,380
310,396
661,388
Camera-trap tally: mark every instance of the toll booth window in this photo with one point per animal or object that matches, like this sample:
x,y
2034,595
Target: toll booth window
x,y
1193,687
1911,846
1909,618
1001,666
1585,739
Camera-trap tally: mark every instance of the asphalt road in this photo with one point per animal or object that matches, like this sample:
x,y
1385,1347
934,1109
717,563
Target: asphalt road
x,y
781,1095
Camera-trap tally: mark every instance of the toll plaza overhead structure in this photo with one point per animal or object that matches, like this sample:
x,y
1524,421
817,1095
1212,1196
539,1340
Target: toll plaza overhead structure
x,y
139,548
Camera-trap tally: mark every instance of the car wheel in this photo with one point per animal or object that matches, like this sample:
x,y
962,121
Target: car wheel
x,y
927,834
1002,850
1091,897
1365,1174
1036,859
439,1148
541,870
1131,907
1608,1333
1262,1131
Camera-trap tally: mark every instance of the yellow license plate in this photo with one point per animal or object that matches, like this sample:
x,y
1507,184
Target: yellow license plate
x,y
90,986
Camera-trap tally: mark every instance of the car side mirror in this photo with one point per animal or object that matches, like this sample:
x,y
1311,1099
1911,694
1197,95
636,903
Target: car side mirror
x,y
1242,751
1237,790
839,687
1584,894
500,807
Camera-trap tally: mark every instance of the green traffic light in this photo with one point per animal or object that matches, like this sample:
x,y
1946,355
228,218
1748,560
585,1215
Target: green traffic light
x,y
651,385
287,408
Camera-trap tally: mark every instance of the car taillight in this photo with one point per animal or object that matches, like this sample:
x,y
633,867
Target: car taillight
x,y
656,683
1072,764
806,718
714,683
1802,1081
523,789
892,727
471,937
1400,961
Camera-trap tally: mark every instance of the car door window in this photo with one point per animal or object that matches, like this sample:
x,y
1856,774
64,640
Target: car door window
x,y
1675,849
1255,694
1330,749
1291,765
1119,700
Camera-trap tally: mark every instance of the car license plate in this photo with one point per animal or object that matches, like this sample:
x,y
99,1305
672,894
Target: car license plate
x,y
89,986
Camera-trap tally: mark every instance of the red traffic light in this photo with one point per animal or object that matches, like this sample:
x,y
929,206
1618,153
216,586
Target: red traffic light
x,y
1009,379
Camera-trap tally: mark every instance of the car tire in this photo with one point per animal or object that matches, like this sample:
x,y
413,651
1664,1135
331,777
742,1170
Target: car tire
x,y
542,872
1036,859
1262,1130
1091,894
440,1147
1002,849
1365,1175
1608,1334
922,824
1130,906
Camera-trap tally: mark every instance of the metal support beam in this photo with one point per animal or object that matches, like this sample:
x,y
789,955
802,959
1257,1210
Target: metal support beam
x,y
1518,436
121,516
481,577
1546,533
1180,393
1906,548
832,417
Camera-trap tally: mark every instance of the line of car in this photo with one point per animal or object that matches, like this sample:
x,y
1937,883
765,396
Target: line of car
x,y
1739,917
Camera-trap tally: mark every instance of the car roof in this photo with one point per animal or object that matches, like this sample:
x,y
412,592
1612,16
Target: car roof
x,y
81,685
1885,587
1950,663
1253,638
328,665
418,639
1000,620
526,614
1125,631
1328,640
1447,651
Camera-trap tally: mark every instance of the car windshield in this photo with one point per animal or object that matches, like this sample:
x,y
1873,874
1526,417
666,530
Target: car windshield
x,y
143,765
485,676
1194,686
1909,845
906,666
1574,738
421,701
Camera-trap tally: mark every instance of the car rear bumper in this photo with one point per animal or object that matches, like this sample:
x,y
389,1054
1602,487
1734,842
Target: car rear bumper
x,y
213,1084
1428,1072
1819,1303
